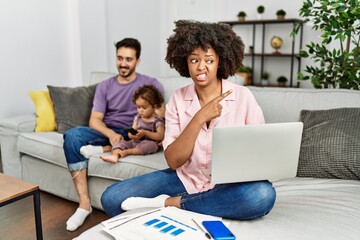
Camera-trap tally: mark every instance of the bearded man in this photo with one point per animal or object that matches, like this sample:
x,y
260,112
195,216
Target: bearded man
x,y
112,113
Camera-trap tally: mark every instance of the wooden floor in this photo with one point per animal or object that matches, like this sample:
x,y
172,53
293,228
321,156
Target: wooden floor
x,y
17,219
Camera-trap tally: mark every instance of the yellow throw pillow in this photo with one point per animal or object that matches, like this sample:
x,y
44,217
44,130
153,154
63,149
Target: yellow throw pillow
x,y
45,114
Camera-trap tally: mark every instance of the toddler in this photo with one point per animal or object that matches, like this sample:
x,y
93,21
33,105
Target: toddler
x,y
149,126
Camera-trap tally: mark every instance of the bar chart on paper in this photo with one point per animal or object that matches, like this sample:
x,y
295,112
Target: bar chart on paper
x,y
166,224
160,227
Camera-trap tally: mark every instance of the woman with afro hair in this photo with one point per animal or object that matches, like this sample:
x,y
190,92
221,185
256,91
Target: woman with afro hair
x,y
208,53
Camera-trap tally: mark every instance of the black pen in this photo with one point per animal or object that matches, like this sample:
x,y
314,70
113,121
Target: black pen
x,y
206,233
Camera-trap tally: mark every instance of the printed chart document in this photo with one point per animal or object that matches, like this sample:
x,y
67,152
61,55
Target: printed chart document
x,y
158,224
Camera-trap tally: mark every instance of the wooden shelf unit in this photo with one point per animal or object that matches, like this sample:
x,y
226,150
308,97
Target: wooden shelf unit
x,y
264,55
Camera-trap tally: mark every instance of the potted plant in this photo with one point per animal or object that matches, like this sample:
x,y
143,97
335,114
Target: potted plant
x,y
246,73
245,69
280,14
241,16
337,56
260,9
265,78
282,81
251,49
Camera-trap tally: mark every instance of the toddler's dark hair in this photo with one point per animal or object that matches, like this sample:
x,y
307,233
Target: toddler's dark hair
x,y
150,94
190,35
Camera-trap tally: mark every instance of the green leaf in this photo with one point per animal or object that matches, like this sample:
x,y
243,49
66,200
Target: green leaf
x,y
338,21
344,15
304,54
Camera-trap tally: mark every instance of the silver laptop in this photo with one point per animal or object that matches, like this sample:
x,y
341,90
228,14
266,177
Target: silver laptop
x,y
255,152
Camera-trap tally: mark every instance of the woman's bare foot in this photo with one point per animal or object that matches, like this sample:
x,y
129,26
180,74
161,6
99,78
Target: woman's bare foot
x,y
110,158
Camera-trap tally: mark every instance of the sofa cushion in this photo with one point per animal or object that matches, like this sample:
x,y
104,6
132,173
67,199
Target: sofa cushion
x,y
285,104
47,146
72,106
330,145
44,109
128,167
170,84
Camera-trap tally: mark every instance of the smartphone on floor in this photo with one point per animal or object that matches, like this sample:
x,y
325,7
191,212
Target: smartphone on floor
x,y
218,230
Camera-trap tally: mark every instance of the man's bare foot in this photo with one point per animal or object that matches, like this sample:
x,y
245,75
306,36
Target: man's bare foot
x,y
110,158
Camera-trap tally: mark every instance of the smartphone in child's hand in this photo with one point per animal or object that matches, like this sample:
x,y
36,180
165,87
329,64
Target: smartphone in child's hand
x,y
218,230
132,131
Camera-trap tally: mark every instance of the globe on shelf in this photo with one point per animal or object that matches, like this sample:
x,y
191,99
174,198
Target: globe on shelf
x,y
276,43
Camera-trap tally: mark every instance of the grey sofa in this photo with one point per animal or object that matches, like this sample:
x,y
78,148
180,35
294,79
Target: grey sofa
x,y
39,158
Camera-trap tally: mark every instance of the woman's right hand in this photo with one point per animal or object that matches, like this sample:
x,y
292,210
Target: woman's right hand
x,y
213,108
179,151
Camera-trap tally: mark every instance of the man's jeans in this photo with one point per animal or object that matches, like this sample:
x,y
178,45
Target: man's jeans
x,y
241,201
77,137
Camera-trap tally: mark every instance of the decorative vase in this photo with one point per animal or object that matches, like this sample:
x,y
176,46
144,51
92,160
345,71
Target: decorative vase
x,y
246,76
251,49
264,82
281,84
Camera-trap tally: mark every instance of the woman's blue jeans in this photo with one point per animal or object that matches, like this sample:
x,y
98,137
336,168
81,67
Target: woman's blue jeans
x,y
242,201
77,137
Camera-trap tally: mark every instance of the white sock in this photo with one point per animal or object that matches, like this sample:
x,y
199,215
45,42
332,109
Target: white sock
x,y
140,202
89,150
77,219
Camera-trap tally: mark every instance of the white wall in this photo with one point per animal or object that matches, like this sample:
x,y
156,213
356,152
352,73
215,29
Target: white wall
x,y
93,36
138,19
59,42
35,50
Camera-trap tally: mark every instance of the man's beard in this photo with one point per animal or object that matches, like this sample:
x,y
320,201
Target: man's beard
x,y
125,75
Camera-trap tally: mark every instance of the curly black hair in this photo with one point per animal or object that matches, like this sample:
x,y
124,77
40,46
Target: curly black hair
x,y
190,35
150,94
